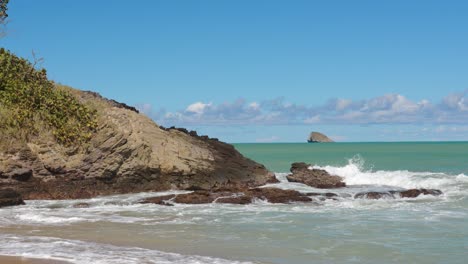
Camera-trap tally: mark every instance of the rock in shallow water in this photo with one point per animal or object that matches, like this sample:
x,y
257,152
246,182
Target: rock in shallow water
x,y
314,177
234,196
411,193
9,197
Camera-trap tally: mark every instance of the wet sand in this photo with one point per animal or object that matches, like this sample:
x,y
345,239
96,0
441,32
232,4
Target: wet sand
x,y
23,260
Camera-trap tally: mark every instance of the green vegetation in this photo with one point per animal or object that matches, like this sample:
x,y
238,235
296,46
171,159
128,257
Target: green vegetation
x,y
3,10
31,105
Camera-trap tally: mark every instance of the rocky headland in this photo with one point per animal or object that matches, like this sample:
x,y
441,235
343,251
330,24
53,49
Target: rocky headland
x,y
60,143
127,153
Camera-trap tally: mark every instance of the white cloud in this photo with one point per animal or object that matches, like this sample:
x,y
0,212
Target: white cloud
x,y
385,109
197,108
254,106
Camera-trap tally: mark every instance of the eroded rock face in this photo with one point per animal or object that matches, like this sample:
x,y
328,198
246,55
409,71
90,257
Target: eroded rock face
x,y
314,177
128,153
9,197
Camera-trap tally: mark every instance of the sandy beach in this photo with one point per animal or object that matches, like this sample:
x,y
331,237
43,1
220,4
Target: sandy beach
x,y
23,260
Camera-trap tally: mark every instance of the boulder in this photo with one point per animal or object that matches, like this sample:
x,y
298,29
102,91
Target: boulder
x,y
9,197
314,177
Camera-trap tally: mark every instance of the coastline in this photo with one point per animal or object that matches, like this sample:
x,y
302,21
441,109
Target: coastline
x,y
25,260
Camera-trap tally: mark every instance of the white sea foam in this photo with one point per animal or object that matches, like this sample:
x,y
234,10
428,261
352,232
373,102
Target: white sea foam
x,y
354,174
81,252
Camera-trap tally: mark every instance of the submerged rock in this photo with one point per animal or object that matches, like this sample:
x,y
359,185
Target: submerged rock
x,y
314,177
81,205
235,196
374,195
161,200
10,197
411,193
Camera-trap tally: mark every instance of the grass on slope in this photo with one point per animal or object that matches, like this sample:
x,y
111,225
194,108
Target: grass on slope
x,y
31,105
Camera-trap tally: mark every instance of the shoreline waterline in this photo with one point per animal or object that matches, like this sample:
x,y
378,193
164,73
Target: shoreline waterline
x,y
25,260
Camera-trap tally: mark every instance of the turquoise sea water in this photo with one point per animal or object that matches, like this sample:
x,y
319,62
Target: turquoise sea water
x,y
117,229
451,157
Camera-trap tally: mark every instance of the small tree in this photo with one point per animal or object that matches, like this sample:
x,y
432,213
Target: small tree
x,y
3,16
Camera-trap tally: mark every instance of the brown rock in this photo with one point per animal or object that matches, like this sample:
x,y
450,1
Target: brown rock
x,y
235,196
314,177
81,205
20,174
413,193
197,197
244,199
275,195
9,197
317,137
161,200
374,195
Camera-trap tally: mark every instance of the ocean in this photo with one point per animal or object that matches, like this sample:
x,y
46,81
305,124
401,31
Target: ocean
x,y
117,229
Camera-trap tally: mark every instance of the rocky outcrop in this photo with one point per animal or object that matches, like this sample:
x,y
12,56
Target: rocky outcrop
x,y
411,193
245,196
314,177
9,197
316,137
127,153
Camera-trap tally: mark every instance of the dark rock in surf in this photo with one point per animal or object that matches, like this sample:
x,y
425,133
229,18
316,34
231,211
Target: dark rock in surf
x,y
314,177
234,196
161,200
374,195
275,195
81,205
9,197
411,193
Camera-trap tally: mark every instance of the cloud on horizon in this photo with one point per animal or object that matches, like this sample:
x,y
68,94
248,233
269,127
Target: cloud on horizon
x,y
386,109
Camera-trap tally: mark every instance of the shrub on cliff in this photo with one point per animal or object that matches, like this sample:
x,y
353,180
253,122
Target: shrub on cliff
x,y
31,104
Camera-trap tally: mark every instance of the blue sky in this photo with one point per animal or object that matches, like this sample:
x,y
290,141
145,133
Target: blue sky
x,y
260,71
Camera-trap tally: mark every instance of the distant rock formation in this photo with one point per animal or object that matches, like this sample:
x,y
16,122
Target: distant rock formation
x,y
316,137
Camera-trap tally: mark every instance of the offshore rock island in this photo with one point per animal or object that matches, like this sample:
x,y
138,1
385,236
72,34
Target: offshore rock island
x,y
317,137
